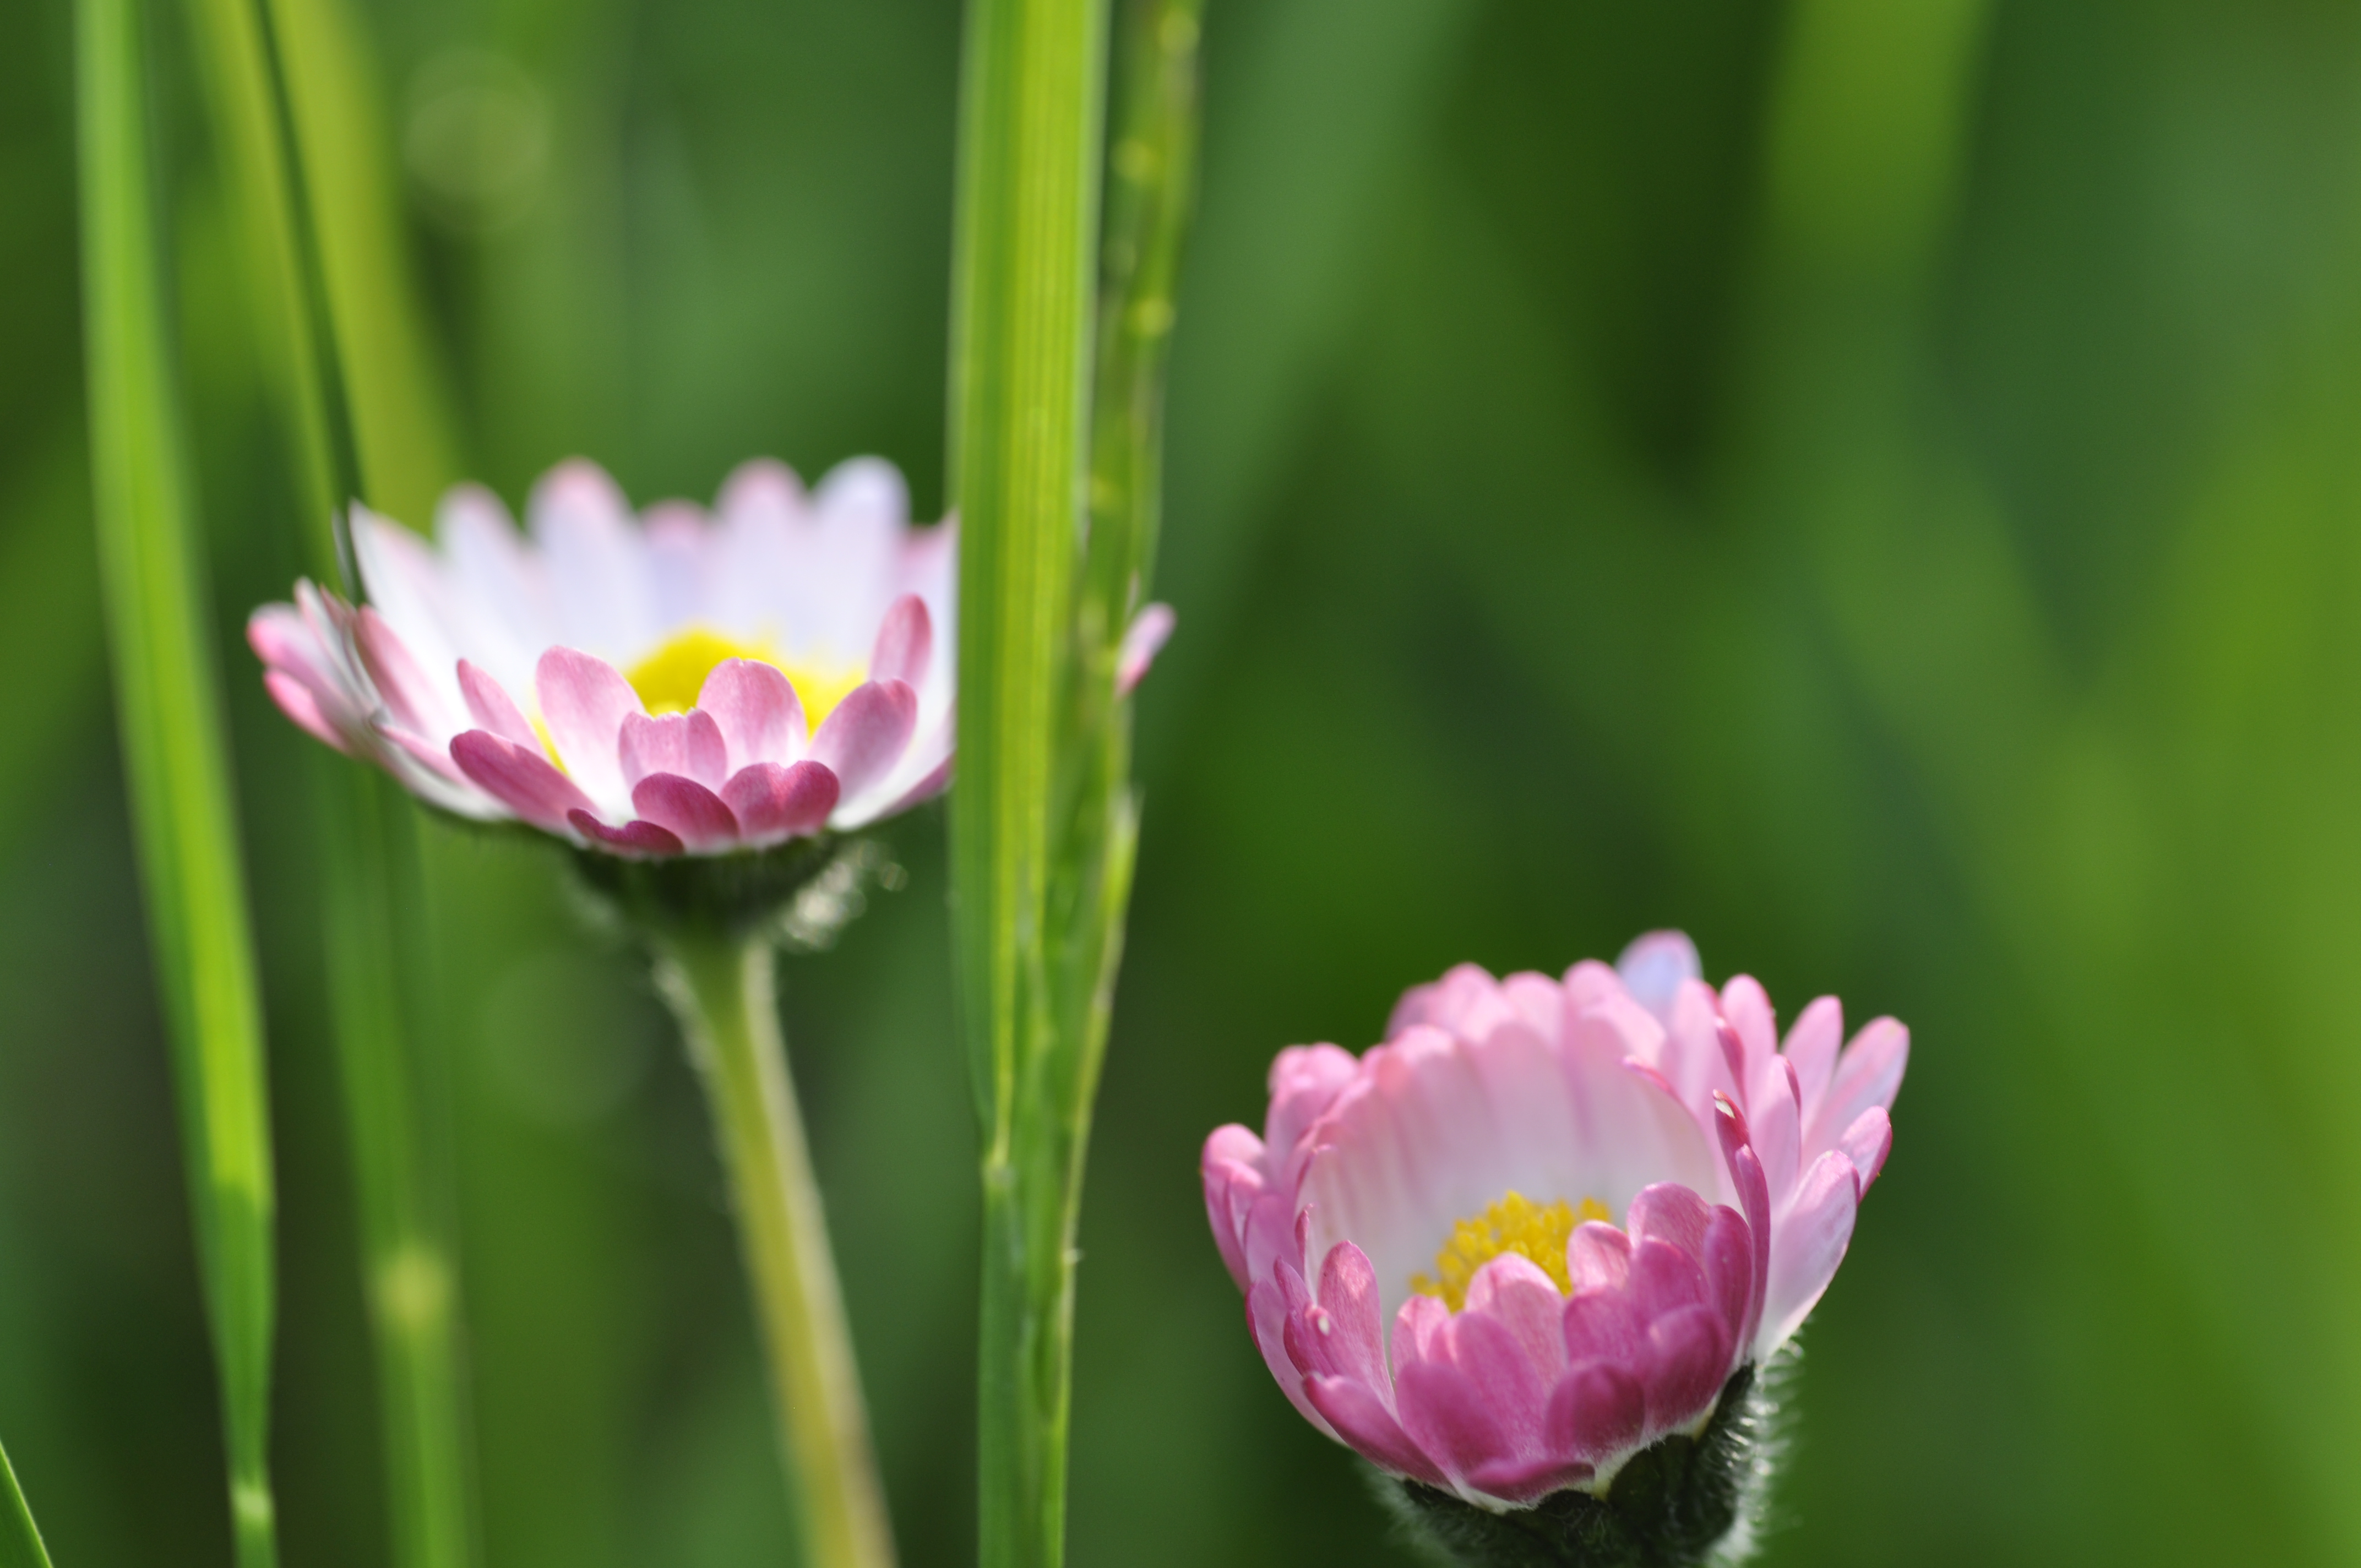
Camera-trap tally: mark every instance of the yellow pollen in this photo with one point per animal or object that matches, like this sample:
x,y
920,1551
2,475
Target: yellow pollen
x,y
669,679
1516,1223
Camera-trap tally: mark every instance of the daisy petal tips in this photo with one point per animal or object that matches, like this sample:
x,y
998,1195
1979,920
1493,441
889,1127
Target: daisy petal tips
x,y
1548,1234
674,683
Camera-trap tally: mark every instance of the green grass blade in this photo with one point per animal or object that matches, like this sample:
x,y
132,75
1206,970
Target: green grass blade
x,y
20,1538
1021,304
401,432
1151,192
367,847
167,704
1044,822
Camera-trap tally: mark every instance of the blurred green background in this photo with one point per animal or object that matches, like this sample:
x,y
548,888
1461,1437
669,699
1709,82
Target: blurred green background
x,y
1875,482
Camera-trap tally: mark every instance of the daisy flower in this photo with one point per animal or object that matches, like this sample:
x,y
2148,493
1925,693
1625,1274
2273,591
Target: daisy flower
x,y
677,683
1548,1222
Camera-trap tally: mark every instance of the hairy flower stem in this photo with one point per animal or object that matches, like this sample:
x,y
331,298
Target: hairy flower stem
x,y
721,987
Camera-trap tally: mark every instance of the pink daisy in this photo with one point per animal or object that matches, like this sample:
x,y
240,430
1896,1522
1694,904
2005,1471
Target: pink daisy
x,y
675,683
1581,1205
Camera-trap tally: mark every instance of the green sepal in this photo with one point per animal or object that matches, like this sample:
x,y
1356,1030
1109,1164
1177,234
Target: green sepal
x,y
800,894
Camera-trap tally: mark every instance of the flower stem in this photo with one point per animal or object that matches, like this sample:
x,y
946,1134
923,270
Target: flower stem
x,y
721,987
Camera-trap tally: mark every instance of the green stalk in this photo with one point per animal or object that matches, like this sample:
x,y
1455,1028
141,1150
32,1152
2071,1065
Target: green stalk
x,y
368,853
394,1116
1044,821
720,985
168,708
345,183
20,1538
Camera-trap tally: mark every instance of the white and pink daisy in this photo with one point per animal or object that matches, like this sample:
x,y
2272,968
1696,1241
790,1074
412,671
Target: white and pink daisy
x,y
675,683
1582,1206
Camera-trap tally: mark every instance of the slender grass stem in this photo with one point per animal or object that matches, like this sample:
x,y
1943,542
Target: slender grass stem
x,y
721,987
393,1114
20,1538
168,706
1022,305
367,835
1045,821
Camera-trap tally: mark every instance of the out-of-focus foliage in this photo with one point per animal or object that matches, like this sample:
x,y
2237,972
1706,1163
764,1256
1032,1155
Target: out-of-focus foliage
x,y
1872,483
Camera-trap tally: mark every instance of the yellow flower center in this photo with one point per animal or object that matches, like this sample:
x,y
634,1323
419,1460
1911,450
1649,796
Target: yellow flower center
x,y
669,679
1516,1223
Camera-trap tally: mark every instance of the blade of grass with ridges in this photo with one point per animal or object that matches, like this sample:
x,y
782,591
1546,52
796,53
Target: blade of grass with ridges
x,y
1045,821
168,706
20,1538
1021,308
367,848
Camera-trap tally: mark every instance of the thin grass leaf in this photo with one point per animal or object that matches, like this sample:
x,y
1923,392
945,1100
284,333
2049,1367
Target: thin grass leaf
x,y
400,432
367,835
167,704
1022,303
1044,822
20,1538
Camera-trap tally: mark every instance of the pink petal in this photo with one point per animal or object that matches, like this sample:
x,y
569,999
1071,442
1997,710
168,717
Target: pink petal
x,y
1450,1417
1598,1256
1304,1080
1142,641
1774,1125
1728,1254
1231,1170
692,812
1811,1050
935,780
1596,1409
1512,1291
1866,1143
1811,1243
296,701
1653,967
279,635
1688,1358
520,779
1603,1325
1511,1386
1667,1212
490,704
759,715
1663,1278
434,758
867,733
1869,1073
906,641
689,744
633,838
1754,1195
1467,1001
1748,1009
1361,1419
1267,1315
1527,1480
1343,1335
409,696
773,802
584,701
1416,1324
